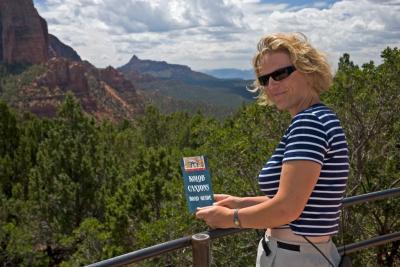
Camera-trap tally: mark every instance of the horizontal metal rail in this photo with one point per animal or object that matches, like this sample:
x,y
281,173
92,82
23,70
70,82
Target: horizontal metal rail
x,y
378,195
145,253
373,242
162,248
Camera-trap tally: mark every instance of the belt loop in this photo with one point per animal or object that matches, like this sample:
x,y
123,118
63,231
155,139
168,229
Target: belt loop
x,y
265,247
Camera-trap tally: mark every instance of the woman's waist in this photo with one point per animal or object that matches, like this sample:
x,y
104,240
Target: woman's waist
x,y
287,234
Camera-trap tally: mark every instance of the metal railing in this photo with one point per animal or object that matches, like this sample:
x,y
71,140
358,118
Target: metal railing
x,y
201,242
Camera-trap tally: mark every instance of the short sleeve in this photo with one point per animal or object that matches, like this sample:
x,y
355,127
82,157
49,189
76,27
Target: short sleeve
x,y
306,139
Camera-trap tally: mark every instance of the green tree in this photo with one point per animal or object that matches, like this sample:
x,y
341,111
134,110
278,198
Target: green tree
x,y
9,140
63,183
367,100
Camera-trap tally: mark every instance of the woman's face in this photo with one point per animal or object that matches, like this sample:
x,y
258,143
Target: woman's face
x,y
293,93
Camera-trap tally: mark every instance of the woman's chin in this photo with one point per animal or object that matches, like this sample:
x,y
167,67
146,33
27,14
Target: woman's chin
x,y
280,106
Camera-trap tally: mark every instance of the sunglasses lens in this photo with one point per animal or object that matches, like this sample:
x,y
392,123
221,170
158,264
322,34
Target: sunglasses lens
x,y
263,80
280,75
277,75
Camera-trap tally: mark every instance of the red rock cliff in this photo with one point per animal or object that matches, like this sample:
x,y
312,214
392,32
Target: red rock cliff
x,y
103,93
24,35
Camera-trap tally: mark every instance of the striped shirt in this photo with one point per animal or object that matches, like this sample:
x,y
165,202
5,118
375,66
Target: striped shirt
x,y
314,134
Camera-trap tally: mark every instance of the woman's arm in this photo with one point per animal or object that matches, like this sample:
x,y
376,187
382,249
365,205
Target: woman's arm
x,y
233,202
297,181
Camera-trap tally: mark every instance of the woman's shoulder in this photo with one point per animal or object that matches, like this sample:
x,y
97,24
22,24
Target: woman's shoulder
x,y
308,117
317,113
318,120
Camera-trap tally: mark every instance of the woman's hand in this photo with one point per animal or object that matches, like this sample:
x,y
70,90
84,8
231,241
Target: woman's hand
x,y
216,216
228,201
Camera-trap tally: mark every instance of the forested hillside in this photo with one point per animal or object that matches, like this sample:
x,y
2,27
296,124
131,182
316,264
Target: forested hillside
x,y
74,191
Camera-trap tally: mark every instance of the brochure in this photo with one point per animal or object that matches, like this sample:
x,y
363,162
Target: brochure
x,y
197,182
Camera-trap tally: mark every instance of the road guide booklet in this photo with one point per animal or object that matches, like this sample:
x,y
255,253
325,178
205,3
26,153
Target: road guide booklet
x,y
197,182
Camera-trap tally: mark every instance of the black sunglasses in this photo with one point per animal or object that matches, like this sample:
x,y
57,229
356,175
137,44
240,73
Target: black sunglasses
x,y
277,75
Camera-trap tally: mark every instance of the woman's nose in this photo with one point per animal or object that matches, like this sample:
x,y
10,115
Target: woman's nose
x,y
272,83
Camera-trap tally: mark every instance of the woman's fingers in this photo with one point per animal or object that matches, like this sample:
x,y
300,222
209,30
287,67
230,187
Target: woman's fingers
x,y
199,214
215,216
202,208
219,197
222,202
202,212
230,202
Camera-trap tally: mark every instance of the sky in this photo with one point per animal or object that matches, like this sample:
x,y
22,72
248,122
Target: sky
x,y
210,34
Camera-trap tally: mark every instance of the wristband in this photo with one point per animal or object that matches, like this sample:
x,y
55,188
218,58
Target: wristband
x,y
236,220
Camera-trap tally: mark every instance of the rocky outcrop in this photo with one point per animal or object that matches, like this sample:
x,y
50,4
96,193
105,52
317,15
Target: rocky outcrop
x,y
59,49
65,74
104,93
123,86
24,35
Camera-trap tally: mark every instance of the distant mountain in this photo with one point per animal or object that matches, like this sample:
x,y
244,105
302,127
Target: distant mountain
x,y
182,83
163,70
231,73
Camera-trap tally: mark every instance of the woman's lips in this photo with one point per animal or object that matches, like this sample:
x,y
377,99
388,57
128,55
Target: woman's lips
x,y
279,94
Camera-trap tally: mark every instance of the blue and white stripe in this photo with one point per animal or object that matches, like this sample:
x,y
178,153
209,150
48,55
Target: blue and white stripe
x,y
314,134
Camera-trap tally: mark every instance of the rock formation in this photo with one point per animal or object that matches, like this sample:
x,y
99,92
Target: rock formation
x,y
59,49
104,93
65,74
24,35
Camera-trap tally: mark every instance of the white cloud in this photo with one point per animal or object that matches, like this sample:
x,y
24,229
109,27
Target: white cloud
x,y
361,28
217,33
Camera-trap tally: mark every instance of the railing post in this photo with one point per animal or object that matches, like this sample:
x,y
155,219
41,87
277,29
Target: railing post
x,y
201,250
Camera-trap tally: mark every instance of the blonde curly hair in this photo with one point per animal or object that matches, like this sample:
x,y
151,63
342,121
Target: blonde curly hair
x,y
303,55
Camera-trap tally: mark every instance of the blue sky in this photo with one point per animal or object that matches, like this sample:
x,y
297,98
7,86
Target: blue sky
x,y
207,34
36,2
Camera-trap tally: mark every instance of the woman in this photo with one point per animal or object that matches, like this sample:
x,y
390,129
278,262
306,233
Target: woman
x,y
305,178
